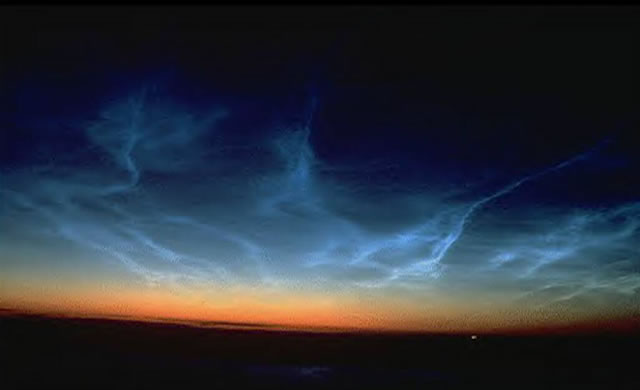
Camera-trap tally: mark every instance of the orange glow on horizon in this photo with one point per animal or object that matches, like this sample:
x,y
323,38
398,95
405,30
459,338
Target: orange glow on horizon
x,y
278,308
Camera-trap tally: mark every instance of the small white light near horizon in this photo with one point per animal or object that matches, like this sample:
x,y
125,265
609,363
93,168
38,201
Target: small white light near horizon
x,y
474,337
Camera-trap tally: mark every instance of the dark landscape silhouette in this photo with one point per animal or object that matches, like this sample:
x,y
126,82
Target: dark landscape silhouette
x,y
53,352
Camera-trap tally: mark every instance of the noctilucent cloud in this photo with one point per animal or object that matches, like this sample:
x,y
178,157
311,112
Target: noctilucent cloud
x,y
360,194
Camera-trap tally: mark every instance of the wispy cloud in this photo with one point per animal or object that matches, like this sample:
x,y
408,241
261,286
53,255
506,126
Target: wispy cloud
x,y
160,202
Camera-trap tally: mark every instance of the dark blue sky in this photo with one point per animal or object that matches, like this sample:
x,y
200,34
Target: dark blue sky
x,y
477,158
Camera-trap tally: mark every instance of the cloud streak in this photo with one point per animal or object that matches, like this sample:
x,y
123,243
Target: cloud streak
x,y
193,207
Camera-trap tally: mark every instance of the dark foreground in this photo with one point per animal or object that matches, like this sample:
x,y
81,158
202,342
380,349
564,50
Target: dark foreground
x,y
40,352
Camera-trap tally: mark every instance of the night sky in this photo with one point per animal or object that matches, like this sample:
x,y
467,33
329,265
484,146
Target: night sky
x,y
389,168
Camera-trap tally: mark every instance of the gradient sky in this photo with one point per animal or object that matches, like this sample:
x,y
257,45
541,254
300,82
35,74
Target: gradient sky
x,y
426,169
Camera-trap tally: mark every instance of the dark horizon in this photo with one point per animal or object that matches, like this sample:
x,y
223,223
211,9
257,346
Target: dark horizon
x,y
624,326
75,353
